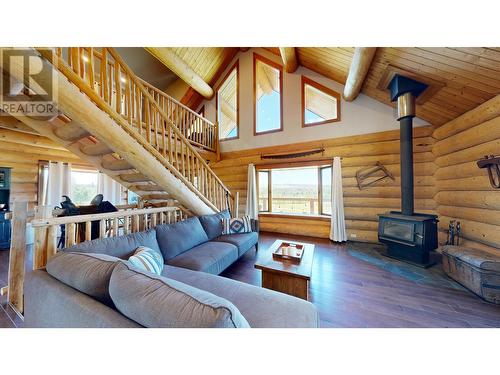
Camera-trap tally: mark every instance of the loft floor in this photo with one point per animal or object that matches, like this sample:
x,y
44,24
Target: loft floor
x,y
354,287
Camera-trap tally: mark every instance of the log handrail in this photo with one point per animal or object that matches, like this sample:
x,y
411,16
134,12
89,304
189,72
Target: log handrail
x,y
196,128
122,95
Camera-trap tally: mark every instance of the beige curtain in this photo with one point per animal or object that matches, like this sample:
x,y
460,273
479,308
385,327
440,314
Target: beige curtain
x,y
252,208
337,227
58,183
109,188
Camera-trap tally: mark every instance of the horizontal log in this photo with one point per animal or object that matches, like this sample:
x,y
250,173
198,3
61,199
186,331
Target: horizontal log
x,y
362,235
393,203
480,183
24,177
478,115
419,169
22,148
418,181
468,213
484,233
28,139
462,170
312,231
362,224
488,199
424,192
482,133
469,154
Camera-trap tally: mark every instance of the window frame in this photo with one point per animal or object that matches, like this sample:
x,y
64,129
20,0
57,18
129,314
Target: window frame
x,y
236,66
307,81
84,169
262,59
319,164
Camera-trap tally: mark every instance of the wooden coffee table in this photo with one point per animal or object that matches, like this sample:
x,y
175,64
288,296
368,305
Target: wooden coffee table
x,y
286,276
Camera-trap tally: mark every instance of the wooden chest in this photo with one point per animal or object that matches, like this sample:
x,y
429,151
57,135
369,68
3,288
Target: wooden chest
x,y
477,270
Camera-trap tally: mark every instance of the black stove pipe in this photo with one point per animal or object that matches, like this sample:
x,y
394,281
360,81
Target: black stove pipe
x,y
406,165
405,90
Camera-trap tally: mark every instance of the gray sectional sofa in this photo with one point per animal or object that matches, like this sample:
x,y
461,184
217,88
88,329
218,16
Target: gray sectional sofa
x,y
92,285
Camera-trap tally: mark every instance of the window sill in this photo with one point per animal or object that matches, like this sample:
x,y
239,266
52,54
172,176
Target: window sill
x,y
296,216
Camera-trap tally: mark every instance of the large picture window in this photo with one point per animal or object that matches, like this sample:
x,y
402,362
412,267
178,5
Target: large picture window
x,y
227,103
302,190
320,105
268,100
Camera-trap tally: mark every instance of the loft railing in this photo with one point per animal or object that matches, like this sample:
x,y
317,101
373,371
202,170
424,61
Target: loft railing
x,y
197,129
102,75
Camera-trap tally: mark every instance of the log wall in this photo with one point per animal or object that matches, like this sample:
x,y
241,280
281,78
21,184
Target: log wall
x,y
361,206
463,190
22,152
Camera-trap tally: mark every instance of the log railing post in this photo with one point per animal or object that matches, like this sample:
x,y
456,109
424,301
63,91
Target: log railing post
x,y
41,238
236,204
17,256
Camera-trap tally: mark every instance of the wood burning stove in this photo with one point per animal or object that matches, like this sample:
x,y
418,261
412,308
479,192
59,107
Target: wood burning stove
x,y
409,236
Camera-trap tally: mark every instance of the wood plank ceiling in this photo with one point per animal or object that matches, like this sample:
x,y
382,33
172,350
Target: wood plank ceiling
x,y
208,62
470,76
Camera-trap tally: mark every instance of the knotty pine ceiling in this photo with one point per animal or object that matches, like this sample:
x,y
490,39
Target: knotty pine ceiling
x,y
469,76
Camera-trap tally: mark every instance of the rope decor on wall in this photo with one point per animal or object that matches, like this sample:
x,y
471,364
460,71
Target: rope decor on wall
x,y
492,164
369,176
293,154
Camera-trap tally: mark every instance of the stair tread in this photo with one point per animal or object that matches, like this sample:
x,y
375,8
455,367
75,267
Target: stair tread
x,y
97,149
116,165
71,132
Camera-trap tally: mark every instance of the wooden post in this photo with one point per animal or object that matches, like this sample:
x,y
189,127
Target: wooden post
x,y
17,257
41,238
217,144
236,204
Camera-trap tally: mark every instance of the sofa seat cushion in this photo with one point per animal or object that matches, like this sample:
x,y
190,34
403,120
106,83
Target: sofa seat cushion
x,y
262,308
122,247
174,239
157,302
243,241
88,273
213,223
210,257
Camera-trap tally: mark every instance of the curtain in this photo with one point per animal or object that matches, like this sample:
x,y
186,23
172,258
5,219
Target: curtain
x,y
337,226
109,188
252,208
58,183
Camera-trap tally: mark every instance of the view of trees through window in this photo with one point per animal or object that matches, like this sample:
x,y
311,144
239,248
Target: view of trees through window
x,y
83,186
305,191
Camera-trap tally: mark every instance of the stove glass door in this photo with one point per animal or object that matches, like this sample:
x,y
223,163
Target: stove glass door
x,y
399,230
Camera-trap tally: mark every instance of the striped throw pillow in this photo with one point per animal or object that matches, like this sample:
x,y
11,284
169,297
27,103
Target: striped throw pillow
x,y
236,225
147,259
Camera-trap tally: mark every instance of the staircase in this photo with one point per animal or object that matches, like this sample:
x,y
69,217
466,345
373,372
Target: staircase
x,y
130,130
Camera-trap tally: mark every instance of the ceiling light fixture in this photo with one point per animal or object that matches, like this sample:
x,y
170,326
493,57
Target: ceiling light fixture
x,y
85,58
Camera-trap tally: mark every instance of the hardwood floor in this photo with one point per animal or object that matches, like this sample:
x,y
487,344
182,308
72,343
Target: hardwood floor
x,y
351,291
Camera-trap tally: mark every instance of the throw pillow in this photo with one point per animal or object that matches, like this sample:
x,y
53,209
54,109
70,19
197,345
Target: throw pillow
x,y
236,225
147,259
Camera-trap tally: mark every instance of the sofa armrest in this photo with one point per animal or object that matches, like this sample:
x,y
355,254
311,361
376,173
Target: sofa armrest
x,y
255,225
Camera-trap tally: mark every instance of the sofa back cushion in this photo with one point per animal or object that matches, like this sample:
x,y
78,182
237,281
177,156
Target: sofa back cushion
x,y
174,239
88,273
121,247
213,223
157,302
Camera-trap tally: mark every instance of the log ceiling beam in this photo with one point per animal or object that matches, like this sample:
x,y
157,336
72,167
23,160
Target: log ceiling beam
x,y
180,68
289,57
358,70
